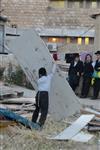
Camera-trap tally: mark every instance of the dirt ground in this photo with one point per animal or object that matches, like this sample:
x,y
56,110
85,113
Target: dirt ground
x,y
20,138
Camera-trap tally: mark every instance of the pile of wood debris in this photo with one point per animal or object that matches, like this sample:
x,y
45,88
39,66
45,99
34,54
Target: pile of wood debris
x,y
16,135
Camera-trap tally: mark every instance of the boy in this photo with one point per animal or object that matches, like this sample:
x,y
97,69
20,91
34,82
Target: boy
x,y
42,96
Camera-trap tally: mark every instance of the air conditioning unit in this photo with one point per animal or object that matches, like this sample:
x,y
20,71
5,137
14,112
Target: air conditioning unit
x,y
52,47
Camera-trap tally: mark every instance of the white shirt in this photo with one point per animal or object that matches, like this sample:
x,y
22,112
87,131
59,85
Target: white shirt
x,y
44,83
75,63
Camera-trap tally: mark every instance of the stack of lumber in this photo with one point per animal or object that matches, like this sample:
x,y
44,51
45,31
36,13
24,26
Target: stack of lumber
x,y
22,106
8,92
18,104
93,125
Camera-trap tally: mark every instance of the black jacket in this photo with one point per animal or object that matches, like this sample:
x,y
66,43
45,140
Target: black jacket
x,y
97,66
87,69
73,70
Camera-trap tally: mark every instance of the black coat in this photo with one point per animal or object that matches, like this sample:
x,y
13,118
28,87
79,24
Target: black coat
x,y
87,69
75,73
73,70
97,66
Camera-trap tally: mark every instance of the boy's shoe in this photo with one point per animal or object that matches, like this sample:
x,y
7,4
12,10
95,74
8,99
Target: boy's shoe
x,y
38,126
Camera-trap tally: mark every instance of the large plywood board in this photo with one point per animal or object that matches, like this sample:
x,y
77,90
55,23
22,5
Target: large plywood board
x,y
76,127
32,53
82,137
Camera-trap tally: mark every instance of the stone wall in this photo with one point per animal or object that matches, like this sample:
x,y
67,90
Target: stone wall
x,y
36,13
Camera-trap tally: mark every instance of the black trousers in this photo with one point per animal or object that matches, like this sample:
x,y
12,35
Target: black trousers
x,y
86,86
74,81
42,101
96,87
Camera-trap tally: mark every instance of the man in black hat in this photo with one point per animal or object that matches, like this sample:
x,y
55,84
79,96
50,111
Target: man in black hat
x,y
75,72
96,75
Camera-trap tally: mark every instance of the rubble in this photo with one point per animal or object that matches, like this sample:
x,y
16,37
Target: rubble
x,y
17,135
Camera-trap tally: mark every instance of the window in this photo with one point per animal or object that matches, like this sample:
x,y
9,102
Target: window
x,y
55,40
88,4
57,3
81,4
70,3
73,40
98,4
91,40
68,40
94,4
86,41
77,4
79,41
52,39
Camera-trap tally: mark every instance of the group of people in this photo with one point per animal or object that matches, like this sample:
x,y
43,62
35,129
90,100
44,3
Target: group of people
x,y
87,70
90,73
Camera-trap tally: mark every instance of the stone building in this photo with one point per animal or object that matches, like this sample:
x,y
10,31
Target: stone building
x,y
65,25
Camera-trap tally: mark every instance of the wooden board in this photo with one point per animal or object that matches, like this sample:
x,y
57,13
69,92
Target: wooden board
x,y
90,111
82,137
6,123
32,53
93,128
18,101
75,128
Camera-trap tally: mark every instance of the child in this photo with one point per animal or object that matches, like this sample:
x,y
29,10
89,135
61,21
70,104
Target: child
x,y
42,96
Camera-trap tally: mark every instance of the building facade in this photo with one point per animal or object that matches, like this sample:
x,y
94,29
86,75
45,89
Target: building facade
x,y
50,13
71,18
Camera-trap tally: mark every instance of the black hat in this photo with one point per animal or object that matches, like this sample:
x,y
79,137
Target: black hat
x,y
98,52
77,55
42,72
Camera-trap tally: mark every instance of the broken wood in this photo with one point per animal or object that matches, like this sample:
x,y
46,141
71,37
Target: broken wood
x,y
93,128
94,123
18,101
6,123
18,107
90,111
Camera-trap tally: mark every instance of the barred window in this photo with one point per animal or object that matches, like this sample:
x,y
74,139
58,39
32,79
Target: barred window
x,y
57,3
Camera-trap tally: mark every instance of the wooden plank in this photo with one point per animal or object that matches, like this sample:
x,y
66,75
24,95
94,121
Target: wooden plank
x,y
6,123
90,111
32,54
93,128
95,123
18,107
18,101
72,130
82,137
